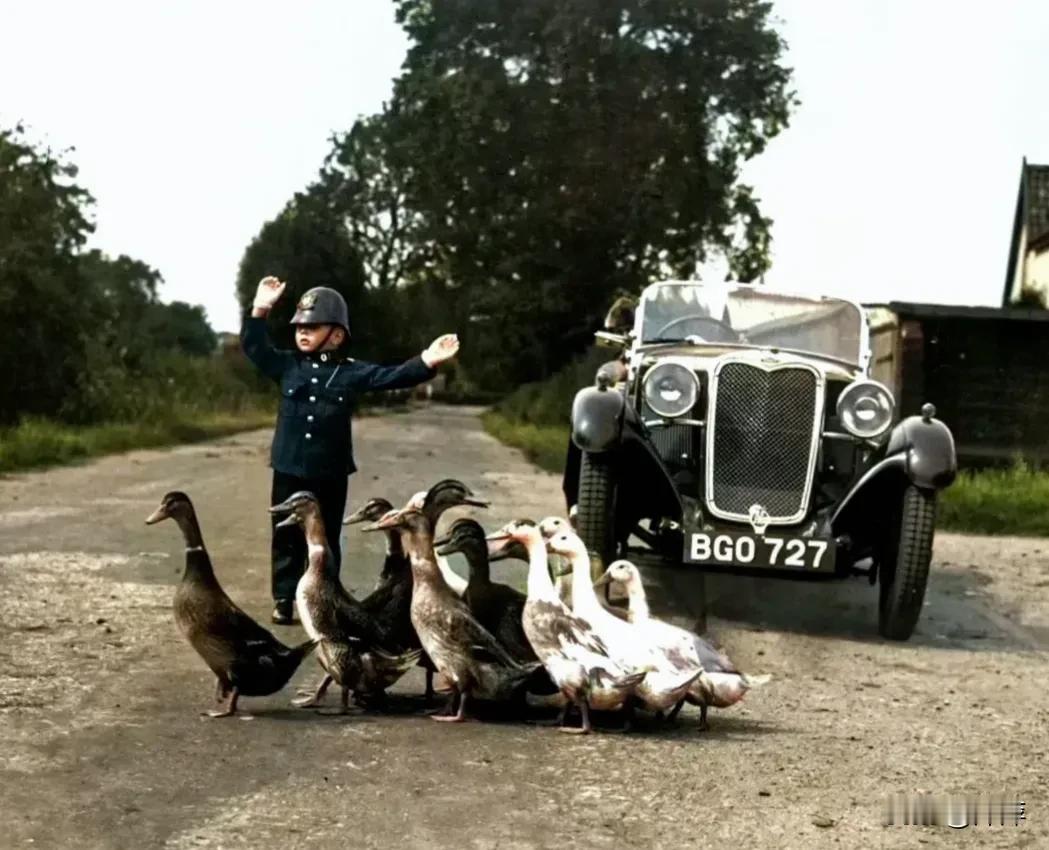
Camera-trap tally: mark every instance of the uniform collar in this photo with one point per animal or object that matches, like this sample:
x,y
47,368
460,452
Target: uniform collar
x,y
322,357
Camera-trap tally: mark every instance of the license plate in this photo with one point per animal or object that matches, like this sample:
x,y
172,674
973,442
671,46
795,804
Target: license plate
x,y
755,550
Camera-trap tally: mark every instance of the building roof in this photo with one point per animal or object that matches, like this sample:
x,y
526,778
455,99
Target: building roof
x,y
908,309
1032,213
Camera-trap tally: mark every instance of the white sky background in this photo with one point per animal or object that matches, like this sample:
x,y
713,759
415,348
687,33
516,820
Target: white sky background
x,y
193,123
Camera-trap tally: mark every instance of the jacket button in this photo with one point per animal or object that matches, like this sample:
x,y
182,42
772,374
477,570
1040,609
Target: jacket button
x,y
290,392
340,398
313,380
313,398
324,357
315,366
309,436
309,418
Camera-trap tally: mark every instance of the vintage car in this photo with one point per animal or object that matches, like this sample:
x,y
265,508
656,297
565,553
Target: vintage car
x,y
739,430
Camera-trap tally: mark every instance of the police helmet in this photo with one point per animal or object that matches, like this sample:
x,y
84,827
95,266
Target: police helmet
x,y
322,306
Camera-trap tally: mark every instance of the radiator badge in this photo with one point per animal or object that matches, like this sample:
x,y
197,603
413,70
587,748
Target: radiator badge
x,y
759,518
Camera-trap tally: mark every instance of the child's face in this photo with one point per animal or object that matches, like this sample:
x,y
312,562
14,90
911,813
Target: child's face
x,y
318,337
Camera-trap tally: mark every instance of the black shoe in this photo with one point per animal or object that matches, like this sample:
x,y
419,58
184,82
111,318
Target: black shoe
x,y
284,612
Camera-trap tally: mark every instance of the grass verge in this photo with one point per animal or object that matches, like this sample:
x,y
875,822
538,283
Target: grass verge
x,y
36,443
998,501
543,445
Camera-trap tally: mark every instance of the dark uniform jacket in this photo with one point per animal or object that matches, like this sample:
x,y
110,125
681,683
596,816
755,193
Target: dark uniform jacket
x,y
318,392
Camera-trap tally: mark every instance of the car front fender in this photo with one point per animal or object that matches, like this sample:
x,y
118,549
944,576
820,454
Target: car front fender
x,y
927,446
919,452
597,418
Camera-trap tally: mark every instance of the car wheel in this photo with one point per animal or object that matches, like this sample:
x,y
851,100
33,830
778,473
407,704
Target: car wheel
x,y
904,570
595,508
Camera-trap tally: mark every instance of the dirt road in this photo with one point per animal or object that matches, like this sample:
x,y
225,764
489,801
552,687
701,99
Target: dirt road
x,y
101,743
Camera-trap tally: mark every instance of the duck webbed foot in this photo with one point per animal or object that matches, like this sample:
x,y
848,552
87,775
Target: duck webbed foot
x,y
229,709
459,715
316,696
703,727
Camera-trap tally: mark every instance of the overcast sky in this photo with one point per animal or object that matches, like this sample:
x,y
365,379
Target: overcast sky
x,y
193,122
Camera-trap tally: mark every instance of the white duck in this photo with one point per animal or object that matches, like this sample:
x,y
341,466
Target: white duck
x,y
671,673
577,659
548,527
721,684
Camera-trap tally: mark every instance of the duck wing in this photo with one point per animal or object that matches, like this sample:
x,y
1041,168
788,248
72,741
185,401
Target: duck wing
x,y
464,630
205,611
499,608
390,605
260,668
713,661
353,622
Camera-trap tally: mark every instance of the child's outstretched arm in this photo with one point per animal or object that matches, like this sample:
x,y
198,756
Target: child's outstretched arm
x,y
410,373
253,338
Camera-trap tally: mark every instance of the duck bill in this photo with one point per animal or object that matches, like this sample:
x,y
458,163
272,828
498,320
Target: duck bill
x,y
500,546
389,520
355,518
445,549
283,507
560,567
157,515
475,502
603,580
287,522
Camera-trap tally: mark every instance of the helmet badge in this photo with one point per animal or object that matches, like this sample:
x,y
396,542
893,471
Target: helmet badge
x,y
307,301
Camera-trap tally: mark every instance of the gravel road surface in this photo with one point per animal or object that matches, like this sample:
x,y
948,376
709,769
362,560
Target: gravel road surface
x,y
102,744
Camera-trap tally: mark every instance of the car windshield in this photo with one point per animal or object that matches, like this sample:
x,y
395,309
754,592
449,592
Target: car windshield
x,y
750,316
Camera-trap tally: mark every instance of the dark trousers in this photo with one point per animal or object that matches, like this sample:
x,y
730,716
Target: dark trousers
x,y
289,543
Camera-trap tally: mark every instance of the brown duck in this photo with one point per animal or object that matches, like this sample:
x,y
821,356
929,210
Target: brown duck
x,y
462,650
358,651
246,659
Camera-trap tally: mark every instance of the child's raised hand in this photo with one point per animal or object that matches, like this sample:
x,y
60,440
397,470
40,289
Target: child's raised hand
x,y
442,349
269,291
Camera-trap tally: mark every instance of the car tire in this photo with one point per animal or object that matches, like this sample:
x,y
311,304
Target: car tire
x,y
904,570
595,509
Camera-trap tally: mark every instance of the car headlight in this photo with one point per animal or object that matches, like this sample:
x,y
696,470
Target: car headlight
x,y
865,408
671,389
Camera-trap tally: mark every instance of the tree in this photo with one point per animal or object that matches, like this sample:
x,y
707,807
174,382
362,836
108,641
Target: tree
x,y
43,300
180,327
367,186
558,150
306,245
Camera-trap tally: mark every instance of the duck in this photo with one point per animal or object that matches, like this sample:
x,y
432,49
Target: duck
x,y
246,658
463,651
497,607
550,526
445,494
395,561
358,651
671,673
722,683
574,656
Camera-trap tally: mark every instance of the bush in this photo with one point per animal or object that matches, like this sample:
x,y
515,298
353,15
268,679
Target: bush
x,y
550,402
998,501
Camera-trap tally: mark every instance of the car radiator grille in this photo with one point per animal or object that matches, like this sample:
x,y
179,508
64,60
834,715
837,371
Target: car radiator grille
x,y
762,434
675,444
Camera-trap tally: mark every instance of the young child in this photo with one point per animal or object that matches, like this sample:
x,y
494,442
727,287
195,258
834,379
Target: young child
x,y
313,446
